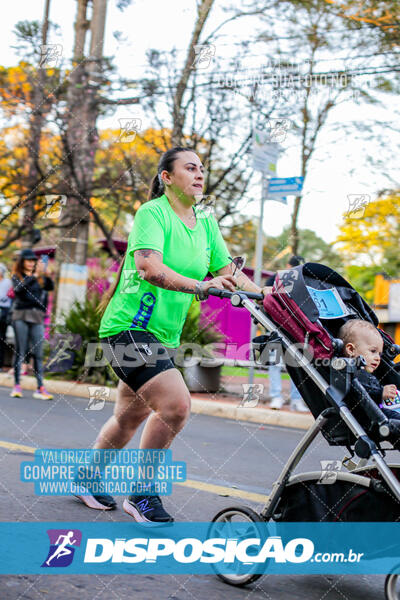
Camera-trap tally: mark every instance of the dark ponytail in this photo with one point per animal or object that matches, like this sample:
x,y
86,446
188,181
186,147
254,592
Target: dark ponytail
x,y
166,163
156,187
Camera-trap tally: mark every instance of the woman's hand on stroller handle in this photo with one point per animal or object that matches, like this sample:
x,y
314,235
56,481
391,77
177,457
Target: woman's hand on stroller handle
x,y
224,286
224,293
220,283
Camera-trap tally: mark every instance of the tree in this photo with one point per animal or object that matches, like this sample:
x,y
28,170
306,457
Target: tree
x,y
179,113
370,234
30,88
240,239
306,80
310,246
57,105
379,14
203,109
363,279
119,185
79,135
39,108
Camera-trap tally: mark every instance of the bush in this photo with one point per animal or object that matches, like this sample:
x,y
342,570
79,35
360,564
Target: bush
x,y
84,320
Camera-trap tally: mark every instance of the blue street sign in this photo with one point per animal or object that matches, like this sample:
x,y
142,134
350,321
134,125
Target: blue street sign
x,y
279,187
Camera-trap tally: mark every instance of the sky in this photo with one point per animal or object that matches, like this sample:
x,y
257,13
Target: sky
x,y
164,25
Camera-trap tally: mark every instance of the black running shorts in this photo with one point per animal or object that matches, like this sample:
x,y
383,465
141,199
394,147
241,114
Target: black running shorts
x,y
137,356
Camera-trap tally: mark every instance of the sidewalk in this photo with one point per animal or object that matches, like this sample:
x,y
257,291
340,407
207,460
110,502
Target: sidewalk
x,y
233,384
226,404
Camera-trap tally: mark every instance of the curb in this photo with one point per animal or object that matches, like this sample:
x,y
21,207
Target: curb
x,y
213,408
265,416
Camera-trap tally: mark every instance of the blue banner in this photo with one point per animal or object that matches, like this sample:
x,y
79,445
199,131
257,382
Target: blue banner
x,y
200,548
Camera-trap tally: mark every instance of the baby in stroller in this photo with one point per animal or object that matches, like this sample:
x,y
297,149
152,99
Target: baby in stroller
x,y
361,338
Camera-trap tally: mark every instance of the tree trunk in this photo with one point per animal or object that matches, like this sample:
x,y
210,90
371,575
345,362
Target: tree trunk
x,y
80,140
35,133
178,112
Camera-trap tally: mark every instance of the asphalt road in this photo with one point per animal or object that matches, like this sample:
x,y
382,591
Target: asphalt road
x,y
218,452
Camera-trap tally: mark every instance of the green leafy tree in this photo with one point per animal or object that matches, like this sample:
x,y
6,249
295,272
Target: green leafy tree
x,y
311,247
362,279
372,237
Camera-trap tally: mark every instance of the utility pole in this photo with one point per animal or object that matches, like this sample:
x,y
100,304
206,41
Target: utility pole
x,y
258,267
80,141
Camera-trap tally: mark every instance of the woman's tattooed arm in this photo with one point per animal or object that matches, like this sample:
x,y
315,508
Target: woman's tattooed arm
x,y
150,262
147,252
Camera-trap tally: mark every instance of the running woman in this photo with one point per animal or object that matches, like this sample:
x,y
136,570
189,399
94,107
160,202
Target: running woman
x,y
171,248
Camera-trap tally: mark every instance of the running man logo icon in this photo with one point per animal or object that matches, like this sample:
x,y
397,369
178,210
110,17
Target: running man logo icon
x,y
205,206
50,55
203,55
252,394
329,471
357,205
62,547
97,397
62,351
129,127
54,205
279,129
288,278
131,280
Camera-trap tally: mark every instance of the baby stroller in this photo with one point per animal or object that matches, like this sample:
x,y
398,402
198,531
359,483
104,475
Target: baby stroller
x,y
302,316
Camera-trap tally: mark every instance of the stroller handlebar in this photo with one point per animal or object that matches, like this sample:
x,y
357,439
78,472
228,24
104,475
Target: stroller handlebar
x,y
228,294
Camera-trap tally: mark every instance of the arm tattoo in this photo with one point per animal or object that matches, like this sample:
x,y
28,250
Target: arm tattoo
x,y
146,252
158,280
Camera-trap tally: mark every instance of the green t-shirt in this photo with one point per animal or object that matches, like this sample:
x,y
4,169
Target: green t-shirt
x,y
140,305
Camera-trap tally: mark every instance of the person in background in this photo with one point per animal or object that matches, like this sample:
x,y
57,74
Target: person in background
x,y
30,285
5,306
274,371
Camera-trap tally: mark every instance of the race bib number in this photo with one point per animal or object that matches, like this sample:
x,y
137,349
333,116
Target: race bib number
x,y
329,303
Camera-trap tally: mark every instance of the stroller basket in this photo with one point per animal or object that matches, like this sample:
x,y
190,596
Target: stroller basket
x,y
308,498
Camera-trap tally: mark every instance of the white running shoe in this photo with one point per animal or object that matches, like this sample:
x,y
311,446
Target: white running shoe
x,y
276,403
298,406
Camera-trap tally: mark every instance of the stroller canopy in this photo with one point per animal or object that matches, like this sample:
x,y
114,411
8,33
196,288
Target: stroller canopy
x,y
322,293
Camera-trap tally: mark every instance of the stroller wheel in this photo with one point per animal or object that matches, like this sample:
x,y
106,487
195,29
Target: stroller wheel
x,y
392,587
233,516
